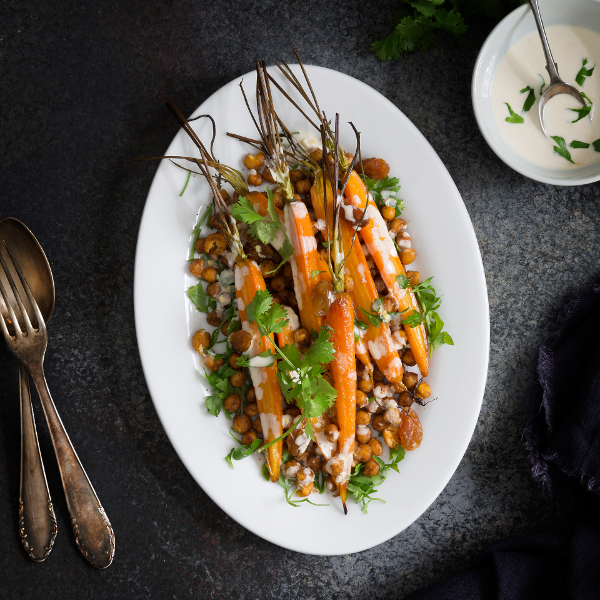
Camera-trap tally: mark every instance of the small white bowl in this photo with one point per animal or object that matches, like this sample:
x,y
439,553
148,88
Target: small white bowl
x,y
520,22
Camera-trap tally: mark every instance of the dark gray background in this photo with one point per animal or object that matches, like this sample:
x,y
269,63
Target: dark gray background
x,y
82,90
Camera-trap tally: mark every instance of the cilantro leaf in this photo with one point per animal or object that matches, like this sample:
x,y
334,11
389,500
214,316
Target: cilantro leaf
x,y
275,320
514,117
561,149
264,230
583,72
403,281
260,304
582,112
242,452
213,404
530,98
286,251
577,144
375,320
413,320
322,397
360,324
321,351
201,300
377,187
244,211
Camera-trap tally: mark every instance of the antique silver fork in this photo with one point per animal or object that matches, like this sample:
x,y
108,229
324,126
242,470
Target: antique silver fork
x,y
93,532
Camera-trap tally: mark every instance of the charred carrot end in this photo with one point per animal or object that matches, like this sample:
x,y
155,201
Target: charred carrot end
x,y
248,281
343,368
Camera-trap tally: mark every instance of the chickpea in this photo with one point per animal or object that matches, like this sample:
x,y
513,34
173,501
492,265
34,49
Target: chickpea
x,y
378,376
210,274
423,391
232,403
214,318
256,425
249,438
379,423
291,469
287,271
213,364
305,455
365,385
396,388
362,417
196,267
238,379
371,263
414,277
233,360
216,222
267,267
293,411
278,200
267,175
250,395
389,303
407,255
376,447
305,490
314,463
348,283
296,175
224,328
391,436
255,179
405,400
388,213
392,416
373,407
200,340
242,423
254,161
410,379
361,399
397,225
371,468
322,297
214,289
251,409
276,299
305,476
292,301
199,245
317,154
240,341
333,414
362,453
323,253
225,195
332,432
330,483
303,186
408,358
363,434
302,337
278,283
380,285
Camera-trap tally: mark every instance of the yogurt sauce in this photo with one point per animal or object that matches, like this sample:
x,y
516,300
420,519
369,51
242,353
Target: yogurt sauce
x,y
524,65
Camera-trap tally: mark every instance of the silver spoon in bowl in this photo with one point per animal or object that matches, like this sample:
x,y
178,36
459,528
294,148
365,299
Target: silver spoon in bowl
x,y
557,85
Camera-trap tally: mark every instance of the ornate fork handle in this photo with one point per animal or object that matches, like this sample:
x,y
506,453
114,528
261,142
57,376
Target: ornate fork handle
x,y
37,523
93,532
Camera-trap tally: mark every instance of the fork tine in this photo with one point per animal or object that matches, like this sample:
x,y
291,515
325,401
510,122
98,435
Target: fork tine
x,y
16,294
38,315
11,314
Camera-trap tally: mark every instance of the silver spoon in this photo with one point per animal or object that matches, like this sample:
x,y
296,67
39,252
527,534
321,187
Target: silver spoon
x,y
557,85
37,523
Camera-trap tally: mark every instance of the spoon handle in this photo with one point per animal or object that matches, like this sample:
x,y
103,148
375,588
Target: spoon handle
x,y
37,523
551,66
93,532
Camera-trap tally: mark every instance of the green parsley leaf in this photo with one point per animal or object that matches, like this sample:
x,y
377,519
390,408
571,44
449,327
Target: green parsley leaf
x,y
586,97
583,72
582,112
264,230
413,320
286,251
377,187
213,337
403,281
201,300
530,98
213,404
375,320
360,324
242,452
260,304
322,397
321,352
244,211
233,326
514,117
561,149
577,144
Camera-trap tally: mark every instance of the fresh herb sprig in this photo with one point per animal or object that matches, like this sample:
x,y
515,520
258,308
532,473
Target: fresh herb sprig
x,y
578,144
378,187
581,112
583,73
514,117
529,101
561,149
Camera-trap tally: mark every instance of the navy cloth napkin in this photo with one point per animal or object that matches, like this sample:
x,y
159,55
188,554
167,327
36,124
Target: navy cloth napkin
x,y
562,439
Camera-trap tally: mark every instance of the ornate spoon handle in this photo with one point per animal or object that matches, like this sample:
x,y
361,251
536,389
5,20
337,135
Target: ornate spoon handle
x,y
37,523
93,532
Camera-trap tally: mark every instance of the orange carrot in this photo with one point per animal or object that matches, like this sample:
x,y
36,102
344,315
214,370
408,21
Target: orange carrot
x,y
286,336
248,281
343,368
384,253
378,339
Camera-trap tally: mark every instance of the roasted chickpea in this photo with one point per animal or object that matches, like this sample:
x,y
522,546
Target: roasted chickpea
x,y
371,468
292,301
196,267
210,274
407,255
317,154
379,423
242,423
396,388
361,399
405,399
237,379
251,409
278,200
374,168
314,463
215,244
332,432
376,447
378,376
423,391
293,411
373,407
389,303
267,176
302,337
305,490
201,340
363,434
388,213
233,360
267,268
392,416
305,476
254,161
255,179
330,483
408,358
278,283
199,245
380,285
257,425
296,175
365,385
291,469
362,417
232,403
323,253
362,453
214,289
249,438
397,225
213,364
348,283
322,297
224,328
414,277
214,318
287,271
410,379
303,186
391,436
240,341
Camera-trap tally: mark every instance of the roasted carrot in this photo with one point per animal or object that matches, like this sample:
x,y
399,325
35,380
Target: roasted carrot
x,y
384,253
378,339
248,281
343,368
286,336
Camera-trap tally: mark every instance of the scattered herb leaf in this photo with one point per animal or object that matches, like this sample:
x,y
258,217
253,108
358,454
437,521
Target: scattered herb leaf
x,y
514,117
530,98
583,72
561,149
582,112
577,144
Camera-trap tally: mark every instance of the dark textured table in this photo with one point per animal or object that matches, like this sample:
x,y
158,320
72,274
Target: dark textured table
x,y
82,91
